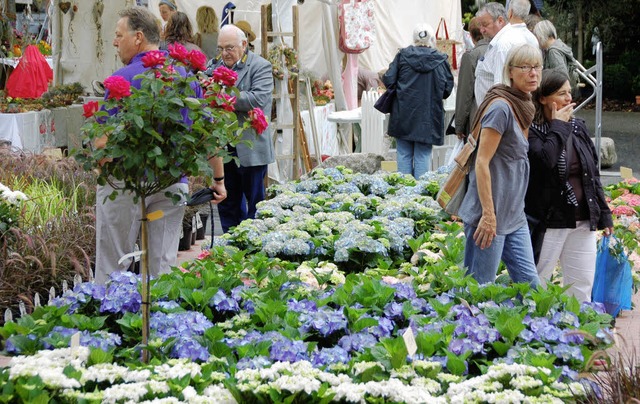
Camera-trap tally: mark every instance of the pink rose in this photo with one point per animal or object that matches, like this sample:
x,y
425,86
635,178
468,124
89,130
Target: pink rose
x,y
225,76
153,59
224,101
90,108
258,120
117,86
198,60
178,52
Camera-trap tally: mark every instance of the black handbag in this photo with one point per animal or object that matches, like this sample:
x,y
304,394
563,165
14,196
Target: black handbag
x,y
384,103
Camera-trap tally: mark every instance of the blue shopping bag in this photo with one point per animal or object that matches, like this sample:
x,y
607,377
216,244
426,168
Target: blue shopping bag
x,y
612,283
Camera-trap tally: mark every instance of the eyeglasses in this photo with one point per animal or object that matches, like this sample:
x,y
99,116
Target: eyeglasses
x,y
527,68
227,49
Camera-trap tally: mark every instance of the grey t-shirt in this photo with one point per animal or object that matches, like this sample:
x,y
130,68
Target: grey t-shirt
x,y
509,170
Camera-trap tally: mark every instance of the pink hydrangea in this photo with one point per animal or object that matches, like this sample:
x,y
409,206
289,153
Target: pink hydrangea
x,y
623,210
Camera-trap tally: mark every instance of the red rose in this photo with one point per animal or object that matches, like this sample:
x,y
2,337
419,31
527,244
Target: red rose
x,y
197,60
90,108
258,120
178,52
224,101
225,76
153,59
117,86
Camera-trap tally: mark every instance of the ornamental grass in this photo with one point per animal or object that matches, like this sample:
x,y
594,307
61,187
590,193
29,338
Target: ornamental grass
x,y
54,237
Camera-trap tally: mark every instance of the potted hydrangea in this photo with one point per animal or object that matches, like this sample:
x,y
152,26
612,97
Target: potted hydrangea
x,y
161,131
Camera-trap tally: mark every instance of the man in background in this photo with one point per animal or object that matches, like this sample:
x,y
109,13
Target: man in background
x,y
245,181
465,99
118,220
503,36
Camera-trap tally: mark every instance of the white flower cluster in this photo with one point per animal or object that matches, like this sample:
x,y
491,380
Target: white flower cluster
x,y
176,369
12,197
49,365
509,383
309,273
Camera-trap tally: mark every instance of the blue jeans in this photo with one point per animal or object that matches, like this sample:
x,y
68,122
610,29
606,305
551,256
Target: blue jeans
x,y
514,249
413,157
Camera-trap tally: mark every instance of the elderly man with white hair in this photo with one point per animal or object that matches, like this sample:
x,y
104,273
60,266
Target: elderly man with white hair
x,y
492,19
245,181
422,78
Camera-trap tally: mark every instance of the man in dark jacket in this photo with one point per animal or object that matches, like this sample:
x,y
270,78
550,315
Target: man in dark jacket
x,y
465,100
422,78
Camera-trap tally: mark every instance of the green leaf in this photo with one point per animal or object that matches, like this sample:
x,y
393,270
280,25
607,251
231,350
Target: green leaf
x,y
456,365
137,119
363,323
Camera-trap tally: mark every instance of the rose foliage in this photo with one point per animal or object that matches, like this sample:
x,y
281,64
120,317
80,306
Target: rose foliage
x,y
163,130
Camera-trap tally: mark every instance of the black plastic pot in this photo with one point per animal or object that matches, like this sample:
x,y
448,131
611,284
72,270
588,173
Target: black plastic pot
x,y
201,232
185,242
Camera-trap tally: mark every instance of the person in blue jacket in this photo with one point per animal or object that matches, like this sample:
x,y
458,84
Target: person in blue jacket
x,y
422,78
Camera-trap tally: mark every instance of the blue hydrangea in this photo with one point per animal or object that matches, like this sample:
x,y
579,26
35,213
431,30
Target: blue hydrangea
x,y
324,321
303,305
257,362
222,303
357,342
288,351
122,294
329,356
403,291
189,348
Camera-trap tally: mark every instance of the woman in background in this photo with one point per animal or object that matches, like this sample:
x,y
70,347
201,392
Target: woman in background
x,y
495,223
565,194
422,78
179,31
167,8
207,36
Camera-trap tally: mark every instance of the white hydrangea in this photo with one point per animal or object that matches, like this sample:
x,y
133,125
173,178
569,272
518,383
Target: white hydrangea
x,y
525,382
49,365
296,383
217,392
176,369
430,385
133,392
13,197
104,372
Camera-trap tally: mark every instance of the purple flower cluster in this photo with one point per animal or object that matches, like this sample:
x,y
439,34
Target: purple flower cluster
x,y
404,291
122,294
301,306
255,337
473,330
257,362
328,356
288,351
99,339
186,327
222,303
81,294
324,321
357,342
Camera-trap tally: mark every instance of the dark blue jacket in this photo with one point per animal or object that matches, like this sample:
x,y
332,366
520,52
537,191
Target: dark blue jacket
x,y
423,79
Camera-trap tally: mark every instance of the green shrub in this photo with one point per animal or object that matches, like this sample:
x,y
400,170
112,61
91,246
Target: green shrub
x,y
617,82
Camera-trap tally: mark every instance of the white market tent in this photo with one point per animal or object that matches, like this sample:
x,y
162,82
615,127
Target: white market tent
x,y
83,51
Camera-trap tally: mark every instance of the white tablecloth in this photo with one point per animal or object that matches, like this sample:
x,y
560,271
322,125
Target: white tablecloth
x,y
36,131
325,129
13,62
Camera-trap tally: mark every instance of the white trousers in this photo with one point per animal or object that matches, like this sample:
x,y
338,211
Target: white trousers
x,y
118,227
576,251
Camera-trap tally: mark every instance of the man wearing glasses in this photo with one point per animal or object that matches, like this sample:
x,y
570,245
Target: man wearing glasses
x,y
245,180
504,30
